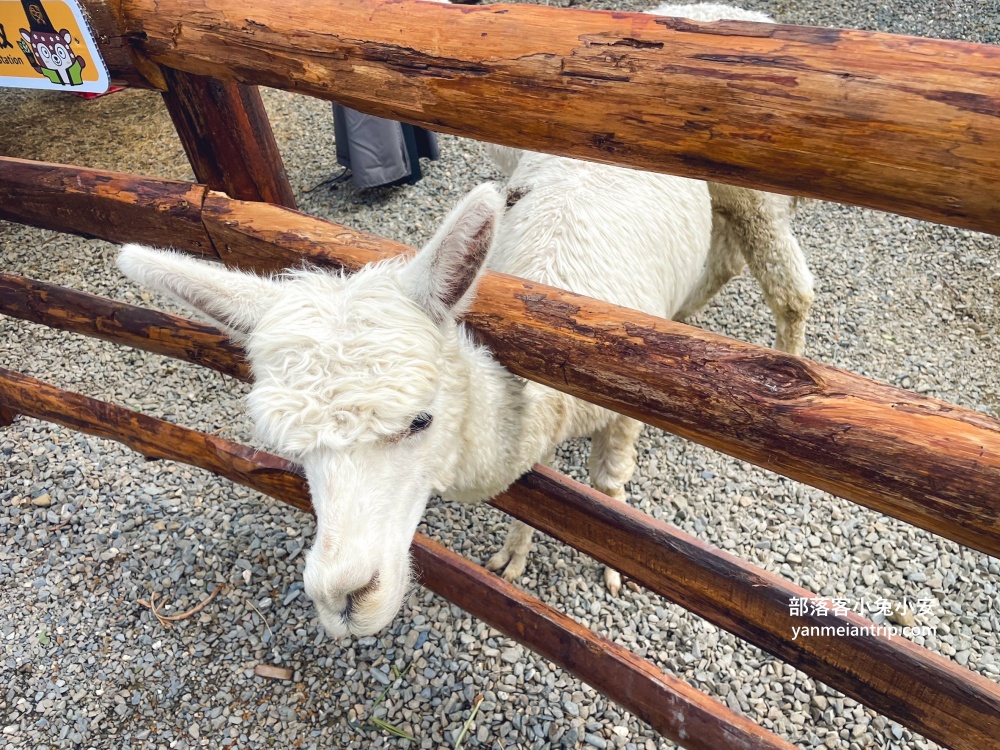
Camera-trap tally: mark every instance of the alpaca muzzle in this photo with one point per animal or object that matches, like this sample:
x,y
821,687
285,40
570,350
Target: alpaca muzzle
x,y
355,610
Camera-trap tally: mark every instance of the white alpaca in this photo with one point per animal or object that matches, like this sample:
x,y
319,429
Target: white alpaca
x,y
749,227
710,12
374,386
588,227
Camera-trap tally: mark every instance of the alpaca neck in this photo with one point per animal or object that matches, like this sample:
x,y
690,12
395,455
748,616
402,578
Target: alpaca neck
x,y
502,431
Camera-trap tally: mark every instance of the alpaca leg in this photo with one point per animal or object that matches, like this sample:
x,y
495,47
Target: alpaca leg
x,y
612,463
761,225
725,260
513,556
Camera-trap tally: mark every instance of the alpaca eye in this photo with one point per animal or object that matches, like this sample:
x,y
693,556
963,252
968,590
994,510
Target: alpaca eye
x,y
421,422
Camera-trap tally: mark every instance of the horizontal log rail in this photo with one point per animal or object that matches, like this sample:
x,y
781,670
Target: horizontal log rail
x,y
904,681
672,707
138,327
890,122
678,711
107,205
924,461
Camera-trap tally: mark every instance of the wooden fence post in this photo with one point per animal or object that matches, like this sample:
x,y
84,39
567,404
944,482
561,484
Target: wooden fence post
x,y
227,137
222,124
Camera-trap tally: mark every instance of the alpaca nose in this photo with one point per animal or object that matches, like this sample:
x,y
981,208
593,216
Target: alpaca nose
x,y
356,597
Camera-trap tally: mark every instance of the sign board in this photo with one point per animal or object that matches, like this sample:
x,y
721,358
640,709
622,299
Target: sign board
x,y
47,44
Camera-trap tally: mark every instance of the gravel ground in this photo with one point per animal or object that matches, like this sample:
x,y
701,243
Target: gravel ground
x,y
89,528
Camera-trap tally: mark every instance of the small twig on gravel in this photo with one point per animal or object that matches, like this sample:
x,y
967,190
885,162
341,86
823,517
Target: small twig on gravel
x,y
164,619
468,722
62,525
151,606
263,619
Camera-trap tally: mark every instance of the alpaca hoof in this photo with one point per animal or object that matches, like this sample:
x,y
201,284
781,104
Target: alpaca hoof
x,y
515,568
618,494
613,581
498,561
512,565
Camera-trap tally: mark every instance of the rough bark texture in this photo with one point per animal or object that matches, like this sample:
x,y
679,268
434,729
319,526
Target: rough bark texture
x,y
921,460
111,206
227,137
264,238
675,709
895,123
924,461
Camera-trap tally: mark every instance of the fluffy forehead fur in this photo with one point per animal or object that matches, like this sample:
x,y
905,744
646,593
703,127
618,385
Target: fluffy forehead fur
x,y
341,360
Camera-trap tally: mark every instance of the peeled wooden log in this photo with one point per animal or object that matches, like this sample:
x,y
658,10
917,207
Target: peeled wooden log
x,y
227,137
675,709
268,239
890,122
124,65
139,327
155,438
730,593
111,206
924,461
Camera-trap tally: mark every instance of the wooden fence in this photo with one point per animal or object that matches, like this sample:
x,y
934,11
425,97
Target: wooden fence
x,y
850,116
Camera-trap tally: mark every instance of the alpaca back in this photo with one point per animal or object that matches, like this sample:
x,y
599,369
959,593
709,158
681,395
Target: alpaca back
x,y
627,237
710,12
631,238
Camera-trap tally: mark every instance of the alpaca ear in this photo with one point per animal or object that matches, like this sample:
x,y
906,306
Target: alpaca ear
x,y
233,299
441,277
505,157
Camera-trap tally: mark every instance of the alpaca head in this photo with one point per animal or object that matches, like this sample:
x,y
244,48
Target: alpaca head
x,y
349,378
